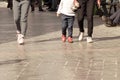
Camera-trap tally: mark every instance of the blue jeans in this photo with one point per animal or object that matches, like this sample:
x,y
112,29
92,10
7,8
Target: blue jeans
x,y
67,23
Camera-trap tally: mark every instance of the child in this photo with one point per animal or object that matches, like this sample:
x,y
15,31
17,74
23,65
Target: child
x,y
68,17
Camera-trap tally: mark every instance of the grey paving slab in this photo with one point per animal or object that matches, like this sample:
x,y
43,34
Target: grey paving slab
x,y
45,57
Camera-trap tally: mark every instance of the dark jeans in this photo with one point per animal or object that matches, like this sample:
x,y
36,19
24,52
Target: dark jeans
x,y
86,9
32,3
67,22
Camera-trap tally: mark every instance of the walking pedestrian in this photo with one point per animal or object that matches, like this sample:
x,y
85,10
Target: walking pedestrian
x,y
20,13
86,9
68,17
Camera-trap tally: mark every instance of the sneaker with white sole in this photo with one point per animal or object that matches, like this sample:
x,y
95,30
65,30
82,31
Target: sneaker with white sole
x,y
20,39
89,39
81,36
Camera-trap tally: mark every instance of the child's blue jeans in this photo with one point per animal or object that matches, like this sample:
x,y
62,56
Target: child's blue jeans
x,y
67,23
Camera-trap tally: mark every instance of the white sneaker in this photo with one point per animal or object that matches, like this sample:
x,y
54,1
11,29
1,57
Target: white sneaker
x,y
89,39
81,36
20,39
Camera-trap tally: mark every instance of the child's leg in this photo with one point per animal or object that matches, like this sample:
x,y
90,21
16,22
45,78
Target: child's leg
x,y
70,25
64,24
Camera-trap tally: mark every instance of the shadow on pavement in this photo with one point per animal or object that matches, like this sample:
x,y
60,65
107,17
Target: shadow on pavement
x,y
106,38
11,61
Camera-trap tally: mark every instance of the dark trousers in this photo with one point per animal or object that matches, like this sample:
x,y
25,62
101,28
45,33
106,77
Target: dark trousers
x,y
10,5
39,4
116,17
104,10
86,9
53,4
32,3
67,23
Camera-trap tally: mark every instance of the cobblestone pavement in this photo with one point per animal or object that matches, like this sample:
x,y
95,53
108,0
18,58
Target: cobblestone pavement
x,y
45,57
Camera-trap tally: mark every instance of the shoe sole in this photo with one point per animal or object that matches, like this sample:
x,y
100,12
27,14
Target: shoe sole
x,y
81,39
89,41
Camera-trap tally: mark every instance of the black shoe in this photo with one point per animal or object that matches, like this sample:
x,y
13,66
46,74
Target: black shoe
x,y
32,10
41,10
110,24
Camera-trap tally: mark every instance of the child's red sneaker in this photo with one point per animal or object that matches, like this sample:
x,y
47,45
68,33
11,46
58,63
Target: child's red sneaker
x,y
70,40
63,38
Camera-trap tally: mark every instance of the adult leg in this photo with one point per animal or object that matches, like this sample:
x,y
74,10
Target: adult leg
x,y
113,16
24,16
16,12
8,3
53,5
105,11
40,5
80,17
49,4
11,5
113,19
32,4
116,20
89,12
